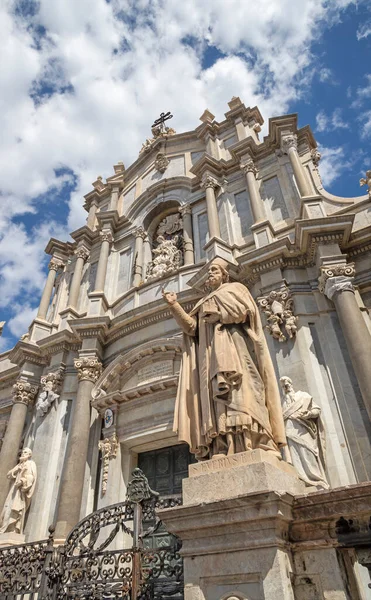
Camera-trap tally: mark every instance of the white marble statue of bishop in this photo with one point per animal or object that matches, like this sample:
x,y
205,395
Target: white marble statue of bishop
x,y
24,476
305,434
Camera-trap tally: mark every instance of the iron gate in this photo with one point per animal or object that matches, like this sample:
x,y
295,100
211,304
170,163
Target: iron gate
x,y
93,563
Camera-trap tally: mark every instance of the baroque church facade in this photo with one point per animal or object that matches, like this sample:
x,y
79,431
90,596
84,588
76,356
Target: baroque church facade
x,y
91,388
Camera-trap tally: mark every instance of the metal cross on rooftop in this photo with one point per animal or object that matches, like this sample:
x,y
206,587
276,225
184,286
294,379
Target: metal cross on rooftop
x,y
160,122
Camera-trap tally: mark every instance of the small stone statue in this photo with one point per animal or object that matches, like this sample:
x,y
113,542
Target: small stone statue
x,y
305,435
18,500
366,181
50,384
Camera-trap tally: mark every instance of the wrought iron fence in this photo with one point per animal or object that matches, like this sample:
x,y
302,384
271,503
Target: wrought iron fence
x,y
93,563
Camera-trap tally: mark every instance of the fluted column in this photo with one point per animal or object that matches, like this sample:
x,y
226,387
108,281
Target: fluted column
x,y
82,254
24,394
54,267
186,212
289,146
72,483
100,279
140,234
336,283
210,184
256,203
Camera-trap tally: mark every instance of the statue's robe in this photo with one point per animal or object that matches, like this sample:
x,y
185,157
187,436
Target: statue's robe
x,y
19,496
227,382
306,438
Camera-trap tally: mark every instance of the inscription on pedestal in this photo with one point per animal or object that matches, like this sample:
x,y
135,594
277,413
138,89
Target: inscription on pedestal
x,y
155,371
236,460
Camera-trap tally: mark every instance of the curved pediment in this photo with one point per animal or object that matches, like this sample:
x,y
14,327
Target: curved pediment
x,y
138,372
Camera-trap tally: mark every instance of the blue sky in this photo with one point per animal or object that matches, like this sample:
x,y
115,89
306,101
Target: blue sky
x,y
82,82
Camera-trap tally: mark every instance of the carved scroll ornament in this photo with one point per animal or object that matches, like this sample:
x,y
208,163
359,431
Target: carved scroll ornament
x,y
278,308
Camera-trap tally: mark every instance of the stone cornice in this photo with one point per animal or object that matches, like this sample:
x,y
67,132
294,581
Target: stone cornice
x,y
311,232
27,351
90,327
59,250
108,219
209,165
62,341
84,235
8,377
165,185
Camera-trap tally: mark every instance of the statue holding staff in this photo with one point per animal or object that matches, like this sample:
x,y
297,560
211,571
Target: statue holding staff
x,y
24,476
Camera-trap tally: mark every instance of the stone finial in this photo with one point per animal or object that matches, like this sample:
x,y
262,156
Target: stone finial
x,y
55,265
234,102
366,181
119,167
82,252
108,448
289,141
315,156
89,368
336,278
98,184
209,182
161,162
106,236
207,116
24,392
278,308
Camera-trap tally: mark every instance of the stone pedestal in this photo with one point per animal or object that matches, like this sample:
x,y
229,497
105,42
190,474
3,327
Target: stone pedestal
x,y
11,539
243,473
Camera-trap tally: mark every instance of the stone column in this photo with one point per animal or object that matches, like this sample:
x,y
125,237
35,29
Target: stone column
x,y
210,184
336,283
90,222
114,197
256,203
186,212
107,239
54,267
289,146
82,254
24,394
140,235
72,482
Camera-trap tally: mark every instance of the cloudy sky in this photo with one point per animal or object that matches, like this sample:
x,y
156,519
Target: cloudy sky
x,y
82,81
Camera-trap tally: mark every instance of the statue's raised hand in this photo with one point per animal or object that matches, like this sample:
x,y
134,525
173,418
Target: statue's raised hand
x,y
169,297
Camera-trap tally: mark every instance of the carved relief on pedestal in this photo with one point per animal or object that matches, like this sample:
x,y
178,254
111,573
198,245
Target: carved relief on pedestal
x,y
108,448
278,308
88,368
24,392
161,162
167,251
366,181
50,387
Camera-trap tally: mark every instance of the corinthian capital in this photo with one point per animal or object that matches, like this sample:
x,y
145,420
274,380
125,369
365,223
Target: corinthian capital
x,y
248,166
289,141
185,210
82,252
336,278
139,232
55,265
24,392
106,236
88,368
209,182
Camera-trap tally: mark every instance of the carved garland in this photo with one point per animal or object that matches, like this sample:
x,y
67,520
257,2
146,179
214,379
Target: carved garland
x,y
108,448
278,308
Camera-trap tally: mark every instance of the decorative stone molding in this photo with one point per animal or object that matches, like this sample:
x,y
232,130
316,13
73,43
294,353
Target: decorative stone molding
x,y
106,236
55,265
248,166
161,162
50,388
139,232
82,252
185,210
366,181
24,392
157,133
108,448
278,308
345,271
209,182
289,141
88,368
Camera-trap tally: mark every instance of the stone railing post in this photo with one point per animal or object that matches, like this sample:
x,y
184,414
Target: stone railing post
x,y
54,267
336,282
106,240
289,146
82,254
114,197
209,184
72,483
24,394
186,212
256,203
140,235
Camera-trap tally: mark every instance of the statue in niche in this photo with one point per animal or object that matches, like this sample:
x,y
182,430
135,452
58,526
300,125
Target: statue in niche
x,y
228,399
167,249
24,476
305,435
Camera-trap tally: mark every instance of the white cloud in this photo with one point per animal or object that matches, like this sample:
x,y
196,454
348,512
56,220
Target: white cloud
x,y
326,76
362,94
24,314
333,163
364,30
365,119
321,121
331,122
